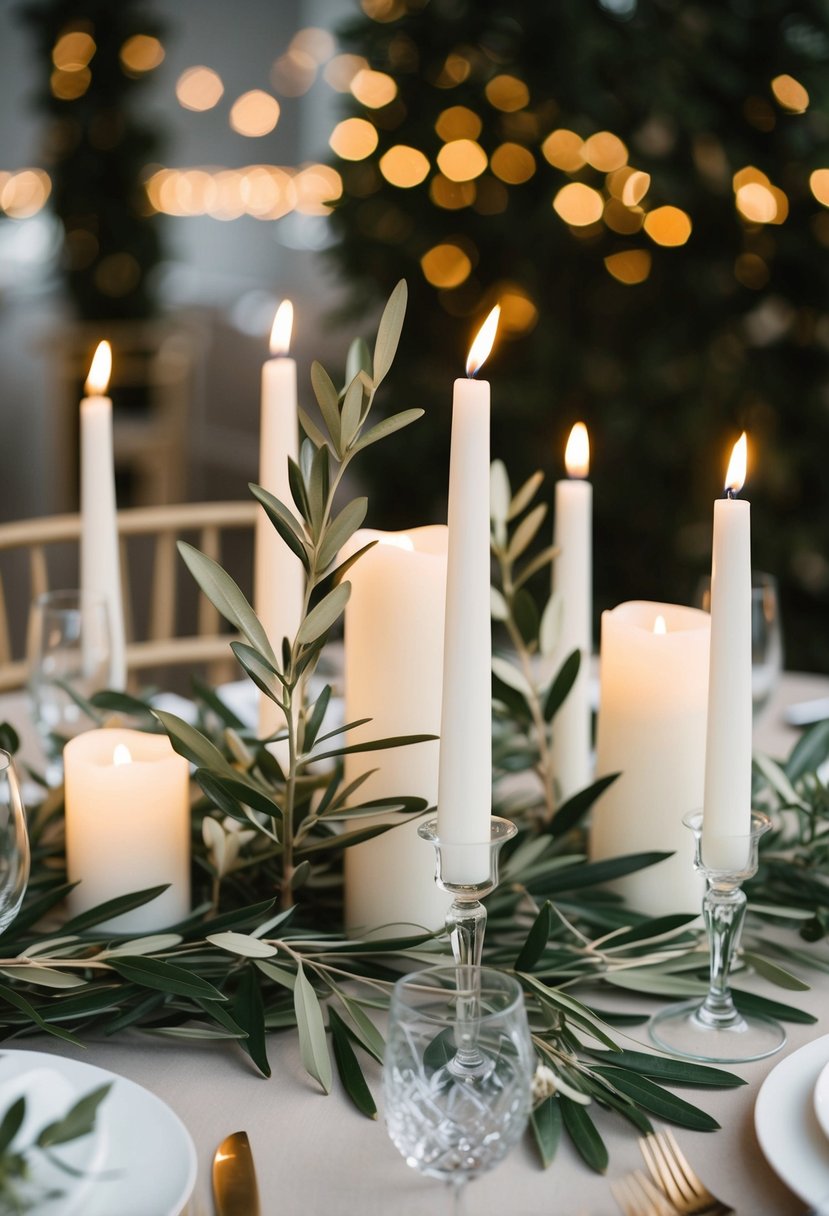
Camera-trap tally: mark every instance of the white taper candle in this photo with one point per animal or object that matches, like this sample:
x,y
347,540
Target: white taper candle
x,y
573,582
100,564
465,773
727,799
278,574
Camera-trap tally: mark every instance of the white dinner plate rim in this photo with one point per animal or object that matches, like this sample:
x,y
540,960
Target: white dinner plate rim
x,y
786,1124
820,1098
124,1092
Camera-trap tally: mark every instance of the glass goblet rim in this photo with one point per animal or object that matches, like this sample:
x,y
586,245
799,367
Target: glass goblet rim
x,y
508,985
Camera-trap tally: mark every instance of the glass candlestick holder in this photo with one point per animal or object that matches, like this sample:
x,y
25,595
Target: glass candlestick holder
x,y
468,872
715,1030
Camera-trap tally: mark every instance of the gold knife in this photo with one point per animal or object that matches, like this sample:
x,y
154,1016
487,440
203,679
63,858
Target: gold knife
x,y
235,1192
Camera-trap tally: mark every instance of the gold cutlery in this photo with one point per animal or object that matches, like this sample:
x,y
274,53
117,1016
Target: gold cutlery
x,y
670,1170
235,1192
637,1196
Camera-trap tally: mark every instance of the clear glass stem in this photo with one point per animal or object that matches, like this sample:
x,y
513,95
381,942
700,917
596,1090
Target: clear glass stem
x,y
723,910
458,1186
466,925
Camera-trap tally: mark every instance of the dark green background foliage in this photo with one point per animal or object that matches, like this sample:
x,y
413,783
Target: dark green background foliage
x,y
96,149
667,372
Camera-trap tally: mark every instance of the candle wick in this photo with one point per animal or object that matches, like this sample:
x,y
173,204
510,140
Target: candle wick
x,y
731,492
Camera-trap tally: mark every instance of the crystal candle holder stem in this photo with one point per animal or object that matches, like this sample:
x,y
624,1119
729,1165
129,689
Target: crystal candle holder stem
x,y
466,922
716,1030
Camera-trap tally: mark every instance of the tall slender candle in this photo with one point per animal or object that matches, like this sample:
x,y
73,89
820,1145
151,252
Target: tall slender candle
x,y
393,664
572,581
727,800
100,564
278,577
465,770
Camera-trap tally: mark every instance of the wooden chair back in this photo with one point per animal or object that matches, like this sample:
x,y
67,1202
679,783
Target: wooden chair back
x,y
159,635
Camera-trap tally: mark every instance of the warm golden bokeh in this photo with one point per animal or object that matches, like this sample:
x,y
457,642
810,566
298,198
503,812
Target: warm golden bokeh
x,y
455,71
669,226
507,93
605,151
294,72
199,88
756,203
451,196
578,205
254,114
819,185
461,160
563,149
383,10
24,193
631,266
373,89
140,54
790,94
68,86
320,44
353,139
622,219
446,266
519,314
513,163
628,185
458,122
404,166
341,70
317,187
73,51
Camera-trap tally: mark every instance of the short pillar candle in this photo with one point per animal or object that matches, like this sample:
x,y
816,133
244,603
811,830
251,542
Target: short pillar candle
x,y
127,826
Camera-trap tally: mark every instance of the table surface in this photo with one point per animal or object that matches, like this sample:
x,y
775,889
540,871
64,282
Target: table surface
x,y
316,1154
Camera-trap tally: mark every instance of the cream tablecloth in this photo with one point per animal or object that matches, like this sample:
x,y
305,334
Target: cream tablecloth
x,y
315,1155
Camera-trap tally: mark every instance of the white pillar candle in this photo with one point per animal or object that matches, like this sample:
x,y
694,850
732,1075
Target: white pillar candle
x,y
393,665
651,729
727,802
100,564
278,574
572,581
465,775
127,826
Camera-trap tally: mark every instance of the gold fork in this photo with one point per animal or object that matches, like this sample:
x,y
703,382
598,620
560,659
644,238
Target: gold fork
x,y
637,1196
670,1170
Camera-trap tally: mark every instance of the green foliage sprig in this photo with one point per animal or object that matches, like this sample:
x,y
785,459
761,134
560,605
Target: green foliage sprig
x,y
18,1191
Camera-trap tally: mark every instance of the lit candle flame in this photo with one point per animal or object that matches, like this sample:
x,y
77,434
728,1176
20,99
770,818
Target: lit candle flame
x,y
100,369
480,348
577,452
660,625
121,755
736,475
397,541
283,323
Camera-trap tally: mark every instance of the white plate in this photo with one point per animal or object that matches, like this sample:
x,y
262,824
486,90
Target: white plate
x,y
138,1140
787,1126
821,1099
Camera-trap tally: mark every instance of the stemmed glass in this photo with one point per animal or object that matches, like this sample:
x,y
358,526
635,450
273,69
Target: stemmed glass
x,y
69,651
14,844
450,1123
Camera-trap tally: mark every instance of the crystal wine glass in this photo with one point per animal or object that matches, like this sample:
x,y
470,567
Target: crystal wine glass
x,y
69,651
448,1123
14,844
